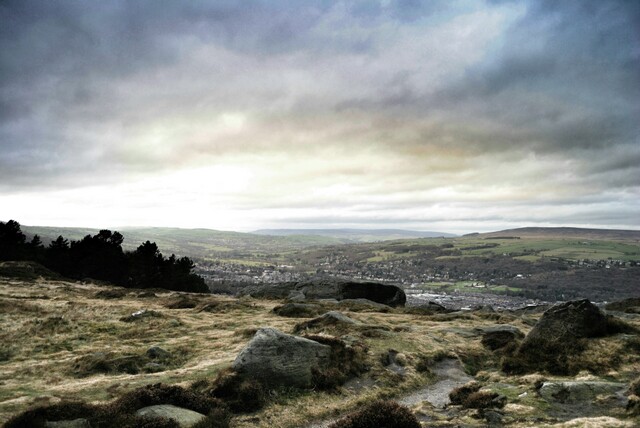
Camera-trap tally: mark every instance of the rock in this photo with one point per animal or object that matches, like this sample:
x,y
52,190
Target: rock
x,y
279,359
557,338
387,294
575,391
141,314
153,368
330,319
157,352
395,361
184,417
297,310
493,417
428,308
630,305
633,405
499,336
75,423
365,304
570,320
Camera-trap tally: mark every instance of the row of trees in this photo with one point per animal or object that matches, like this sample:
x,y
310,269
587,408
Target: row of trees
x,y
101,257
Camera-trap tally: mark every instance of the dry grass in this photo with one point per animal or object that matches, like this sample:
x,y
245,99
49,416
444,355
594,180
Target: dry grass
x,y
48,327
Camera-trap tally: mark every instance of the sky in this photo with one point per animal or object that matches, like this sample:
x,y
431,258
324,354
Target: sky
x,y
456,116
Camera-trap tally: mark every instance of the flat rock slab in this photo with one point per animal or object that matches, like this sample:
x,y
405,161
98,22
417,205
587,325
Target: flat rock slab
x,y
576,391
184,417
279,359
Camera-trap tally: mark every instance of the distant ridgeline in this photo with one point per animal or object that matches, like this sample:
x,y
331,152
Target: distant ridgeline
x,y
101,257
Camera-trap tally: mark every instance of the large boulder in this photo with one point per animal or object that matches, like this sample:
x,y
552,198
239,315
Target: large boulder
x,y
278,359
184,417
386,294
333,289
558,338
570,320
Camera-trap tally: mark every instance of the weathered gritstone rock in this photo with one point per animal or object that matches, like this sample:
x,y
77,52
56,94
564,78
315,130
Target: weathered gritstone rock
x,y
279,359
386,294
297,310
184,417
499,336
75,423
331,318
576,391
568,321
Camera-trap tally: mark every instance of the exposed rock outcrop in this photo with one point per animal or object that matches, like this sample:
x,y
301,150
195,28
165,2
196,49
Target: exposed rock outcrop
x,y
575,391
386,294
331,318
558,338
297,310
499,336
184,417
278,359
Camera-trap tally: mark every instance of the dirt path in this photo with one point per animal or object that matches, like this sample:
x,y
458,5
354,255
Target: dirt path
x,y
450,375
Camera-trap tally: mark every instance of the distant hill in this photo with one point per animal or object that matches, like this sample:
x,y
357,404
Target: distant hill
x,y
357,235
565,232
192,242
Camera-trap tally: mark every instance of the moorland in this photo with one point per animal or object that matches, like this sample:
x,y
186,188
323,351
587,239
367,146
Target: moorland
x,y
109,350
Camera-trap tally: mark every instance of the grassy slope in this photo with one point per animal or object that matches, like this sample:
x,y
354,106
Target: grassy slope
x,y
47,325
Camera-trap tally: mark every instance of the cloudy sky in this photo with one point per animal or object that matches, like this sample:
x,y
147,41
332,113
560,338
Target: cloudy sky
x,y
449,115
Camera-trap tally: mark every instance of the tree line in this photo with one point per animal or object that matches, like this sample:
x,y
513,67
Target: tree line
x,y
101,257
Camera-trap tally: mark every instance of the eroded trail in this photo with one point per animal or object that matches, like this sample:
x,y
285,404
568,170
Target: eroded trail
x,y
450,375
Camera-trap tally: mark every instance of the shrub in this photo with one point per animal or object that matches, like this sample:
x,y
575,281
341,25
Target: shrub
x,y
181,302
217,418
241,395
460,394
345,362
634,387
387,414
483,400
164,394
36,417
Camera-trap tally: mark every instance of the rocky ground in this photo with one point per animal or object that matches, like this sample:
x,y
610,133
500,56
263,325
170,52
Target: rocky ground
x,y
65,340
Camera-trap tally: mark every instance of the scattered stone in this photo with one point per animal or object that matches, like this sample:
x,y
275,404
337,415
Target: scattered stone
x,y
330,319
153,368
279,359
364,304
141,314
493,417
498,336
184,417
633,405
147,294
576,391
629,306
181,302
395,361
75,423
157,352
297,310
110,293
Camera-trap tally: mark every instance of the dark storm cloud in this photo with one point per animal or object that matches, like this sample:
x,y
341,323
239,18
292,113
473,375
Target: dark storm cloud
x,y
404,95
